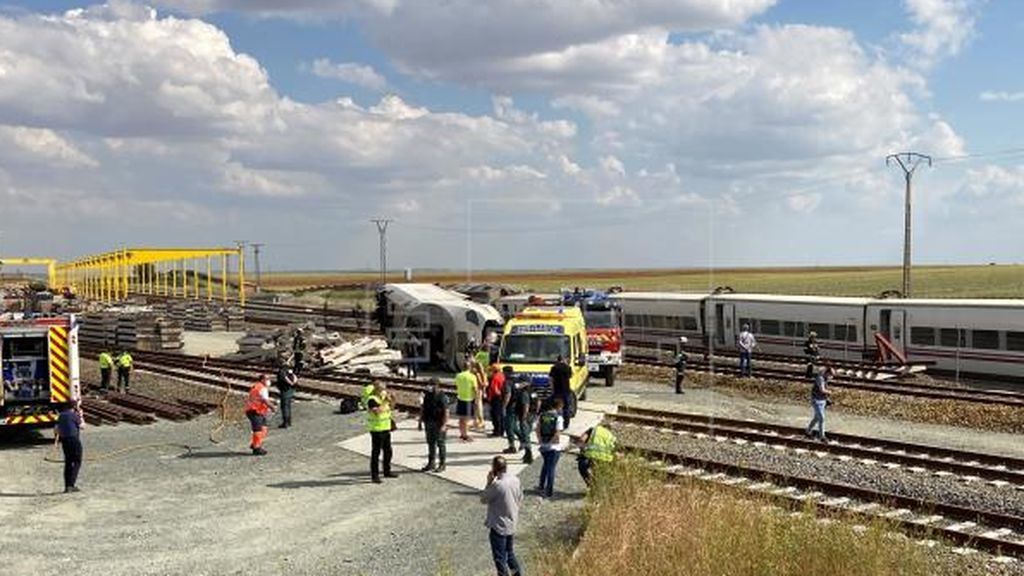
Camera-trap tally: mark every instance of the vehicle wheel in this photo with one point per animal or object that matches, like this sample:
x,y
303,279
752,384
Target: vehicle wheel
x,y
609,377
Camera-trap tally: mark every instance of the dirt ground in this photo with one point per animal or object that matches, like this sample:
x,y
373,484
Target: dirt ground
x,y
152,505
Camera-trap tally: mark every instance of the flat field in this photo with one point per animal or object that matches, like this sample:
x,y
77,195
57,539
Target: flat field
x,y
1003,281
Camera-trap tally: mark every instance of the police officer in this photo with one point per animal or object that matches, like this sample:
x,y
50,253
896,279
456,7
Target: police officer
x,y
69,426
812,353
598,446
124,370
298,351
378,424
106,361
286,381
434,418
680,365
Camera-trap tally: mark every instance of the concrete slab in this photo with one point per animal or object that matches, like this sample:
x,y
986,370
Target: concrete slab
x,y
468,462
212,343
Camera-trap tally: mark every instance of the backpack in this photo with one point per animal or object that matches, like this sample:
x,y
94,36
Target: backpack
x,y
548,426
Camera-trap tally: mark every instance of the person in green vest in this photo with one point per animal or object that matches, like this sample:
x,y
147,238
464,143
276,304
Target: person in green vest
x,y
598,448
106,367
378,423
365,396
124,370
465,392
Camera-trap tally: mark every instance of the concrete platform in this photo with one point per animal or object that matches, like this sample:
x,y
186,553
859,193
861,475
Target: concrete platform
x,y
468,462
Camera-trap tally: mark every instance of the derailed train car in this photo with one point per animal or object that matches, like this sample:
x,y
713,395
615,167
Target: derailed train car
x,y
443,321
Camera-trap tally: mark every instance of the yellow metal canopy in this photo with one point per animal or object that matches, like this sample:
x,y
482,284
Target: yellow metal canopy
x,y
154,271
50,263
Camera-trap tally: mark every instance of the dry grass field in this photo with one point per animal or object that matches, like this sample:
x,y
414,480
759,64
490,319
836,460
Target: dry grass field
x,y
1005,281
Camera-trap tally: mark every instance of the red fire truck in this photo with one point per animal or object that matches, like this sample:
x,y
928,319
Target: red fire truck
x,y
39,360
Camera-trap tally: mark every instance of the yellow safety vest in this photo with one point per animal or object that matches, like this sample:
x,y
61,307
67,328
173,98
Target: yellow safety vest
x,y
381,421
106,360
465,386
483,358
124,360
365,396
601,445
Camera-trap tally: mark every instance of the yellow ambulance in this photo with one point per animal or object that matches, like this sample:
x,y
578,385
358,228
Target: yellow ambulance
x,y
533,340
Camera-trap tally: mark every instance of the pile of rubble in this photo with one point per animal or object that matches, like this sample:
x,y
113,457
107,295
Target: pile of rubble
x,y
318,350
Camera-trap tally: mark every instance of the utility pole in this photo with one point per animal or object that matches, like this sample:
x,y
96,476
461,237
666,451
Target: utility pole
x,y
908,162
256,256
382,230
241,271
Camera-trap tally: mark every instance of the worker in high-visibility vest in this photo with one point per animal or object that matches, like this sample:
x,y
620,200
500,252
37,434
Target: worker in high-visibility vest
x,y
598,447
106,361
258,407
365,396
379,423
124,370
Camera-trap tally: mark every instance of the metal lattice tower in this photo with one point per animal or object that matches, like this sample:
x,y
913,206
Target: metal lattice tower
x,y
382,230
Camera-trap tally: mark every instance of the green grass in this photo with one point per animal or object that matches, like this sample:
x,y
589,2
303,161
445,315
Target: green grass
x,y
1004,281
636,524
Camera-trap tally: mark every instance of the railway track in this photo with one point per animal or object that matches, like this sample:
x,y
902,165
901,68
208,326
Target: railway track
x,y
967,465
997,533
1000,397
222,373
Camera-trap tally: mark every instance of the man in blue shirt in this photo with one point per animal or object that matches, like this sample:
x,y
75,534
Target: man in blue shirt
x,y
69,428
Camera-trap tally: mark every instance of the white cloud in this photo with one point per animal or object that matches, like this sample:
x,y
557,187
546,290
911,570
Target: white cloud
x,y
1000,96
41,146
350,72
995,185
943,28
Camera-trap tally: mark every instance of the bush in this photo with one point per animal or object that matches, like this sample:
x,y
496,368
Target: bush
x,y
638,524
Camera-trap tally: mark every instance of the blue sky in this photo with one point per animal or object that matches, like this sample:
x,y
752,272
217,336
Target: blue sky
x,y
633,133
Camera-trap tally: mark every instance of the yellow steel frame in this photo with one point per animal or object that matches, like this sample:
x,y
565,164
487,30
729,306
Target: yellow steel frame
x,y
50,263
114,275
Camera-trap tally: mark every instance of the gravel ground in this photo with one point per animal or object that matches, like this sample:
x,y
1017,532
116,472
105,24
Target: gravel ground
x,y
1004,500
730,403
980,416
148,506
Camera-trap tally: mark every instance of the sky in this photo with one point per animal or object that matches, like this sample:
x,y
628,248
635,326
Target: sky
x,y
514,134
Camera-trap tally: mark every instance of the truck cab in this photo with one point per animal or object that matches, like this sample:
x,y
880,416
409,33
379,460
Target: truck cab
x,y
533,340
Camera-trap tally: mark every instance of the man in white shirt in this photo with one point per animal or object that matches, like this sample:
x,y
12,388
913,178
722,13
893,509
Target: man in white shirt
x,y
746,344
503,496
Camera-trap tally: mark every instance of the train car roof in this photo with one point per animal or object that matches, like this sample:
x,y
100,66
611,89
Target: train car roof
x,y
685,296
947,302
793,299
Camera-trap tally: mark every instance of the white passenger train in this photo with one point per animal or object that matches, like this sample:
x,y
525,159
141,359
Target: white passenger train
x,y
979,337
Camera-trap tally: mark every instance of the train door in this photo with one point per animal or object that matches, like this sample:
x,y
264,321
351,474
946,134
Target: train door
x,y
724,324
892,324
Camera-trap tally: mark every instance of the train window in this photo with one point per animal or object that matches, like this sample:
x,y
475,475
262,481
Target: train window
x,y
824,331
985,339
634,320
846,332
770,327
1015,341
689,323
793,328
922,335
948,337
